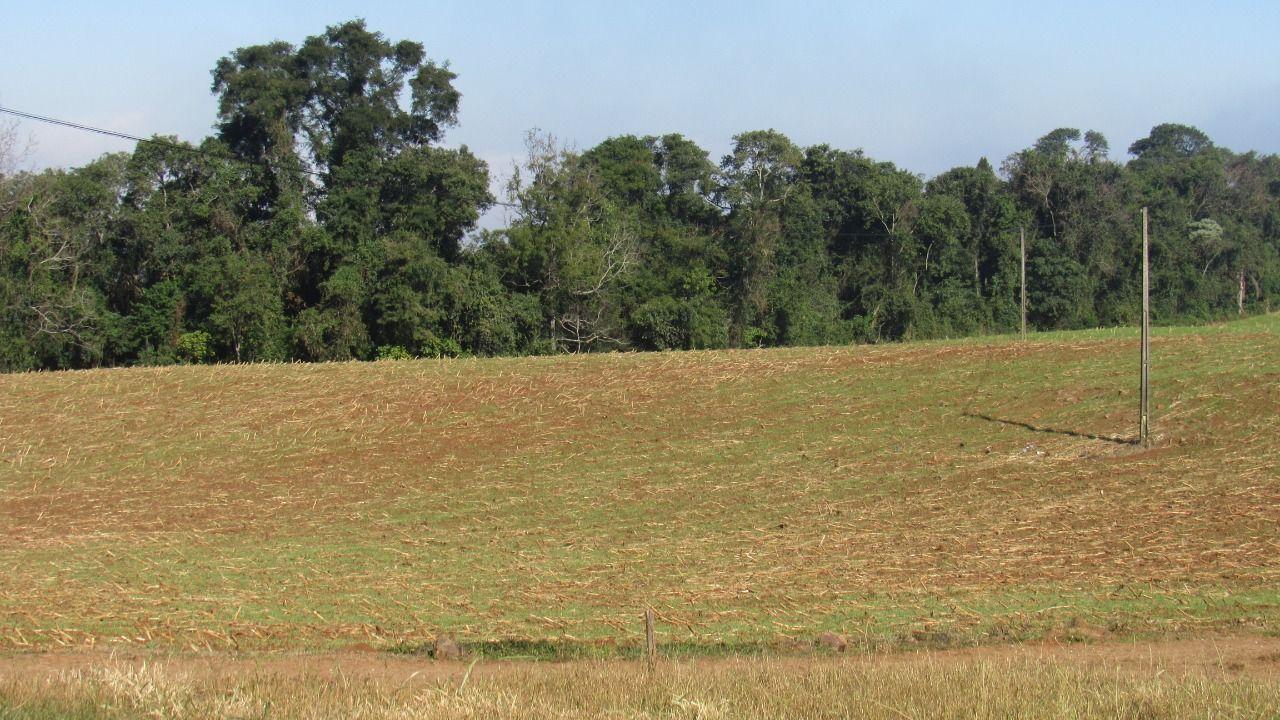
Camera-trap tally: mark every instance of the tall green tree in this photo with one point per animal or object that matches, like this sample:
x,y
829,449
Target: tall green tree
x,y
756,180
347,121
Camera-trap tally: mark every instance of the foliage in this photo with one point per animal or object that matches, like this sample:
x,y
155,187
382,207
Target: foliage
x,y
324,220
193,347
393,352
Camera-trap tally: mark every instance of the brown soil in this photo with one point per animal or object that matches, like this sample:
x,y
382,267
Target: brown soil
x,y
1220,656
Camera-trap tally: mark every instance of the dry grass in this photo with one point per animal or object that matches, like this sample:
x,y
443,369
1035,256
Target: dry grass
x,y
921,687
936,494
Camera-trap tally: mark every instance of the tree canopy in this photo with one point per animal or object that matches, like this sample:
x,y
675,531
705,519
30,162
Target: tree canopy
x,y
325,220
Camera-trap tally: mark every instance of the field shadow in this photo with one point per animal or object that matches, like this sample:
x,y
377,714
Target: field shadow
x,y
1052,430
565,650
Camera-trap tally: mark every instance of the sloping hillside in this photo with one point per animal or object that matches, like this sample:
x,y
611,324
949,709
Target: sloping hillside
x,y
936,493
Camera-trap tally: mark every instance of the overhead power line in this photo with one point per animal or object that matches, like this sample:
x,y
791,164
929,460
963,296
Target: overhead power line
x,y
135,138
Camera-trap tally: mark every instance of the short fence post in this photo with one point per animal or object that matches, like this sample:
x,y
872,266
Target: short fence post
x,y
650,640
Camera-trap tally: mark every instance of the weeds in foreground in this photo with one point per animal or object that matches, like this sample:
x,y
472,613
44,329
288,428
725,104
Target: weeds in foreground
x,y
756,688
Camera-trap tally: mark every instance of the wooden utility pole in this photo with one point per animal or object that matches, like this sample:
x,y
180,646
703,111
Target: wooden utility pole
x,y
1022,241
1144,423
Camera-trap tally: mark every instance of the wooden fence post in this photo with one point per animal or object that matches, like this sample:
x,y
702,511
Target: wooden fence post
x,y
650,639
1022,243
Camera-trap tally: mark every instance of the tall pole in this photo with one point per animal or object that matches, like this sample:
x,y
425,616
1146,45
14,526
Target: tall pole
x,y
1022,241
1144,426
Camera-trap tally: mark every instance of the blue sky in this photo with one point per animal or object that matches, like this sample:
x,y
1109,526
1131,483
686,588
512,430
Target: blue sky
x,y
925,85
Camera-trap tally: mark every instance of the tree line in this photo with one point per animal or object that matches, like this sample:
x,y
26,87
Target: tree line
x,y
324,220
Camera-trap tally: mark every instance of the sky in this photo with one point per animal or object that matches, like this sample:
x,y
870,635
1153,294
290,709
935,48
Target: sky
x,y
925,85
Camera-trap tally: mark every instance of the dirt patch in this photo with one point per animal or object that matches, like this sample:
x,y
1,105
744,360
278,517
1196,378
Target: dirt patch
x,y
1222,656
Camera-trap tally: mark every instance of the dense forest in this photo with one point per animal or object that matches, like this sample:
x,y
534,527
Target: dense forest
x,y
324,220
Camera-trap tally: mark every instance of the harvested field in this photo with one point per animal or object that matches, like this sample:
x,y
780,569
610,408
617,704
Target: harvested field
x,y
921,495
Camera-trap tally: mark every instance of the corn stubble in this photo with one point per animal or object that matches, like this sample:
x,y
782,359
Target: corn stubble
x,y
954,494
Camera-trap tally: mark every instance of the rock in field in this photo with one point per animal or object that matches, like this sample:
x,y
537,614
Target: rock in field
x,y
833,641
446,648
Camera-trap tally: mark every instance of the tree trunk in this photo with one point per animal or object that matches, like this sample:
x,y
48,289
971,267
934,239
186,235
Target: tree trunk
x,y
1240,296
977,277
